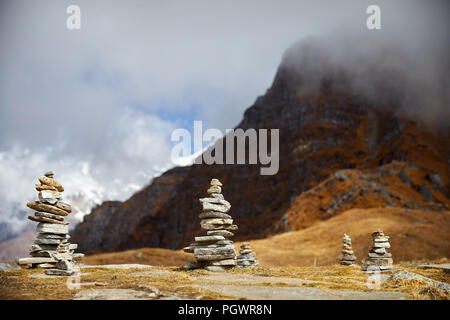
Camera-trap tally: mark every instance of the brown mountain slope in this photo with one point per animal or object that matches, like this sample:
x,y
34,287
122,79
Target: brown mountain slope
x,y
320,133
397,184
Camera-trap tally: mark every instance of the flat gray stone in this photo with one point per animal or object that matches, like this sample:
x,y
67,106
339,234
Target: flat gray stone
x,y
52,236
189,249
64,206
378,250
226,262
35,260
215,200
215,257
381,239
209,238
223,233
212,214
40,247
378,255
215,207
49,196
53,228
214,251
44,265
43,253
49,215
381,245
47,241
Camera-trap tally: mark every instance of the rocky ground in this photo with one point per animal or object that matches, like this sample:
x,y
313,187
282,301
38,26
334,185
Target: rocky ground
x,y
137,281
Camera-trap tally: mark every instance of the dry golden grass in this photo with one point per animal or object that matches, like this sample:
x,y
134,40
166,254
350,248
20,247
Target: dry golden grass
x,y
414,234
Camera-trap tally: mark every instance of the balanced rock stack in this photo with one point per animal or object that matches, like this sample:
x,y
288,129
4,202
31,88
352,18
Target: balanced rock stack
x,y
347,257
214,251
51,249
246,258
379,259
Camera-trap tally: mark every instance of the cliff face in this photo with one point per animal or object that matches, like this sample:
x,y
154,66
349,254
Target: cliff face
x,y
322,131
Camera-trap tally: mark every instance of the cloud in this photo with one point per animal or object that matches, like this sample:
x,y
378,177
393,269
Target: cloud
x,y
134,149
402,69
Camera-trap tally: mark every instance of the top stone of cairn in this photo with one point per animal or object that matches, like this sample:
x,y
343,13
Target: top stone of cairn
x,y
49,174
216,182
215,187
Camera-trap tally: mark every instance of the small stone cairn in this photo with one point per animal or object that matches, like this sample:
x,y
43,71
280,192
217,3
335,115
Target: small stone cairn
x,y
214,251
51,249
379,259
246,258
347,257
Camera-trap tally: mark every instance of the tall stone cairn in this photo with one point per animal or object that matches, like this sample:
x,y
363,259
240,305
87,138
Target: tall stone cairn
x,y
347,257
246,258
214,251
51,249
379,259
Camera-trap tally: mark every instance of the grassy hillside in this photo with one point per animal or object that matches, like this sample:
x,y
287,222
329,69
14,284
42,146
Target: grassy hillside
x,y
415,234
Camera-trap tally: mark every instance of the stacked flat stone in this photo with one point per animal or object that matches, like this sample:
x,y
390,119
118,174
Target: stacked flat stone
x,y
214,251
246,258
347,257
51,249
379,259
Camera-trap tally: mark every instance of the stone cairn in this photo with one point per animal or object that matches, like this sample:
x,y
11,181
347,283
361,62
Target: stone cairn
x,y
51,249
214,251
246,258
347,257
379,259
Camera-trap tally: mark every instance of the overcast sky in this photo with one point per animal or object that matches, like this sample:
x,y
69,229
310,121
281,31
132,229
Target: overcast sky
x,y
97,105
